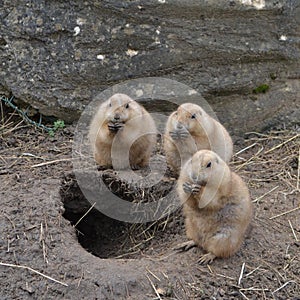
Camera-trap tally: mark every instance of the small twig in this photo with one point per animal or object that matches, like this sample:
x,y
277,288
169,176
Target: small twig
x,y
157,278
165,275
262,196
85,214
17,126
293,231
284,213
284,285
287,250
264,294
248,274
244,295
145,230
289,263
31,227
224,276
8,244
51,162
42,241
285,142
210,269
253,289
154,288
241,151
79,281
32,270
241,274
31,155
256,133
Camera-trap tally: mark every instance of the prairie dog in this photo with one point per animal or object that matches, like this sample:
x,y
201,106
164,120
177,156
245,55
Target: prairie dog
x,y
216,206
122,133
190,129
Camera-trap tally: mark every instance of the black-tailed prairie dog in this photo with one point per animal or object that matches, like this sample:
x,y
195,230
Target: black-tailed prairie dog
x,y
216,206
122,133
190,129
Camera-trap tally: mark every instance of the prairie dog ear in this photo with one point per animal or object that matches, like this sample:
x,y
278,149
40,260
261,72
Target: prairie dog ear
x,y
217,160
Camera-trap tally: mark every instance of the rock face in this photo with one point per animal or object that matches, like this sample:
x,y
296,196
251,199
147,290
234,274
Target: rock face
x,y
57,55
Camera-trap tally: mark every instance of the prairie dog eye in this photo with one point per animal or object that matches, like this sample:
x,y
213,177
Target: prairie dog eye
x,y
109,104
208,165
127,105
193,116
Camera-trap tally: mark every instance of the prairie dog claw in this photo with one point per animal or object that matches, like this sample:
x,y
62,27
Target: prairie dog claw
x,y
185,246
206,259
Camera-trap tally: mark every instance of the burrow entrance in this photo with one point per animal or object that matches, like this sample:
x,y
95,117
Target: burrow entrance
x,y
109,238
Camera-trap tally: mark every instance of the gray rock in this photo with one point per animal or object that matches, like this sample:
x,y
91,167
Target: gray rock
x,y
57,55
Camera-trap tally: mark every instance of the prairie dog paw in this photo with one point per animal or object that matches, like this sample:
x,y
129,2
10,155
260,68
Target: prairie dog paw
x,y
187,188
206,259
178,135
196,188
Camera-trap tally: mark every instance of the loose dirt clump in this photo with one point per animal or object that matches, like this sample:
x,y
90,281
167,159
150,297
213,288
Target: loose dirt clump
x,y
53,245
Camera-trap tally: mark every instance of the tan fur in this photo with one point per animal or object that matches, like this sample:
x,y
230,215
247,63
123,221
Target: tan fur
x,y
137,132
204,132
216,205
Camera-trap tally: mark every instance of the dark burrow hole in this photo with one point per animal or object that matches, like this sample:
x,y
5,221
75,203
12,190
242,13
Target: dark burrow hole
x,y
109,238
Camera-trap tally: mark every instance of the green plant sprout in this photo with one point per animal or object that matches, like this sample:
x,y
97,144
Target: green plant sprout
x,y
263,88
59,124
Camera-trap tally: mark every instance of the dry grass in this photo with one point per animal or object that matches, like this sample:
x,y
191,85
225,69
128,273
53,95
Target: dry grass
x,y
272,157
8,122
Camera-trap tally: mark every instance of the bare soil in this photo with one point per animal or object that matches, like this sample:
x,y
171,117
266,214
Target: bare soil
x,y
44,256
